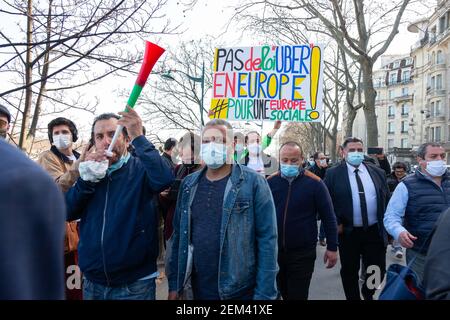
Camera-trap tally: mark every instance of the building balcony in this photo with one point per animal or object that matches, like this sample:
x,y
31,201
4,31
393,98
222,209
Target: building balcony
x,y
391,116
404,97
435,92
437,67
405,115
436,118
391,132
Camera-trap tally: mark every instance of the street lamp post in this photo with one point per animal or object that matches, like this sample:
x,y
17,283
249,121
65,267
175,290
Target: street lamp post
x,y
200,80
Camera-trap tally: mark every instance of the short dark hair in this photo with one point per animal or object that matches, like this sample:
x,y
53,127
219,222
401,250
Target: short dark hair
x,y
4,111
292,144
250,132
350,140
221,122
106,116
422,150
169,144
192,139
316,155
59,122
239,135
400,165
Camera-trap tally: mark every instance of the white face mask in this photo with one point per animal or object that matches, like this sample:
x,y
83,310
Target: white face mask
x,y
62,141
323,162
254,148
436,168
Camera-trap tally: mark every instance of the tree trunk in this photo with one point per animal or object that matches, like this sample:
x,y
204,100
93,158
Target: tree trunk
x,y
37,109
28,80
351,115
369,103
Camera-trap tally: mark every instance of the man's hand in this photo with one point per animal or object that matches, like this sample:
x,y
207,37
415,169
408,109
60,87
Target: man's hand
x,y
92,155
132,122
340,229
406,239
331,258
173,295
85,152
277,125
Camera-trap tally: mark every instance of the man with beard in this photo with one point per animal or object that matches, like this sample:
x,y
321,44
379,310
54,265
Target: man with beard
x,y
115,199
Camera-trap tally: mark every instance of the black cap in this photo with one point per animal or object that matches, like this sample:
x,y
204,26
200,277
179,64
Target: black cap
x,y
5,111
169,144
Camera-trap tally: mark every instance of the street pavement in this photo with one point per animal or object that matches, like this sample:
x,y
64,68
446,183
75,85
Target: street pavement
x,y
325,284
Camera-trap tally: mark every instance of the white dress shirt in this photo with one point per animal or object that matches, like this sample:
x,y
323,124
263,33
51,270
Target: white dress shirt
x,y
369,192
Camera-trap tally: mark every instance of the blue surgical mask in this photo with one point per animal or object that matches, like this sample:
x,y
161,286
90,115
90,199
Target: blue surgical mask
x,y
289,170
214,154
239,148
355,158
117,165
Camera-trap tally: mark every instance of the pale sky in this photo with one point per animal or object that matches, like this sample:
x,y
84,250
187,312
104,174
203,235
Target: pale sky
x,y
207,18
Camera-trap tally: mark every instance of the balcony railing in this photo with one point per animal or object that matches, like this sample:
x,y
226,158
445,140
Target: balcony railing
x,y
403,97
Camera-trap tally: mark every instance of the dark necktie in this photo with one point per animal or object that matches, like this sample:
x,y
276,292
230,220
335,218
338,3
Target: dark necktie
x,y
362,201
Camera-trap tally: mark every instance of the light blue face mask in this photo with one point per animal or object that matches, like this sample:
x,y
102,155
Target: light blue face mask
x,y
117,165
355,158
214,154
289,170
239,147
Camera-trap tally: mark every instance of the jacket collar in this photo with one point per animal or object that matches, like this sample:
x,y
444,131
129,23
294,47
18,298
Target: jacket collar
x,y
62,156
237,175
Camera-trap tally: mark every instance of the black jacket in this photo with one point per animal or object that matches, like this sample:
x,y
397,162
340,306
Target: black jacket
x,y
437,266
338,183
320,172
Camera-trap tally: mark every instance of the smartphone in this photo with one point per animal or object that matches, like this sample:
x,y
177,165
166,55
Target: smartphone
x,y
374,150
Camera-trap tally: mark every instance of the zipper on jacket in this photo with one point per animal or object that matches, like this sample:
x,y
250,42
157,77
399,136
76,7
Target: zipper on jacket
x,y
103,231
285,215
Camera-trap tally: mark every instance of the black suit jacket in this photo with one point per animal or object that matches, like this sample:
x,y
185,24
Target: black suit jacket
x,y
338,183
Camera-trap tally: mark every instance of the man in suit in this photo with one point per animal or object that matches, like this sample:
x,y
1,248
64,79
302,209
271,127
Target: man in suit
x,y
360,194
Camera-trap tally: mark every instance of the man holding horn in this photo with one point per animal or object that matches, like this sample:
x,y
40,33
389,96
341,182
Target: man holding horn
x,y
115,200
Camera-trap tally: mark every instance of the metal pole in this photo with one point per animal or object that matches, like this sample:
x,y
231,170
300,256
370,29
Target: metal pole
x,y
203,94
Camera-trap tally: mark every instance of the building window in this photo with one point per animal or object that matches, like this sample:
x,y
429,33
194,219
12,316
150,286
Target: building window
x,y
391,127
405,109
396,64
391,94
436,109
439,82
391,111
390,143
408,61
437,134
406,75
433,82
404,143
392,78
441,24
405,127
440,57
404,91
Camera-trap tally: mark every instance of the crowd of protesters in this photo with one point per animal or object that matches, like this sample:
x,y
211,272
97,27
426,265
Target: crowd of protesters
x,y
238,223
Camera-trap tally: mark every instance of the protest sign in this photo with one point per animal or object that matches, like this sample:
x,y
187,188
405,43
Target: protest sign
x,y
268,83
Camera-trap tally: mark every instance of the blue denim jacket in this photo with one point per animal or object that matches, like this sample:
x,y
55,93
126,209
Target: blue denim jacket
x,y
248,237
